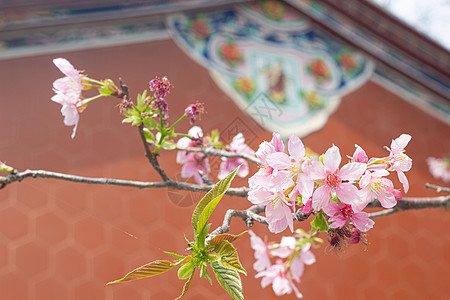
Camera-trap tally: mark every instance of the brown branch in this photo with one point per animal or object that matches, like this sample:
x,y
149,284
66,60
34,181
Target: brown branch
x,y
151,157
437,188
248,216
222,153
19,176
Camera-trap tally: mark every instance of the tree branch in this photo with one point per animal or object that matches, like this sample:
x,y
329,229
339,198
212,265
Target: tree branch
x,y
19,176
151,157
209,151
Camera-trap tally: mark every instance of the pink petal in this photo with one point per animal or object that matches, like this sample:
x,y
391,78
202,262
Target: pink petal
x,y
321,197
281,286
400,143
278,160
337,221
352,171
277,142
297,267
305,185
332,159
348,194
316,170
387,199
66,67
402,178
296,148
331,209
259,196
362,221
195,132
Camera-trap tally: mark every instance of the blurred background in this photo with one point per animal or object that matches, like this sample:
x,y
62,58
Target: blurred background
x,y
348,73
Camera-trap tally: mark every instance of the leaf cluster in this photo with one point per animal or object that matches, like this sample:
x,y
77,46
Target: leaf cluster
x,y
219,253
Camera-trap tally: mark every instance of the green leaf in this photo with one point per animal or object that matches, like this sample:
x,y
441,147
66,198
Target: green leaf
x,y
225,236
229,280
228,256
149,136
207,204
186,270
174,255
151,269
149,123
202,236
206,274
169,145
186,286
320,223
141,99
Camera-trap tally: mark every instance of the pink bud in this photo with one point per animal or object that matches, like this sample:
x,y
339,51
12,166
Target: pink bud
x,y
397,194
360,155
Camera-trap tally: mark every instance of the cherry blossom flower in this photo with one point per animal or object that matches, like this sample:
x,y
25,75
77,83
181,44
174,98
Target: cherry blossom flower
x,y
278,276
333,180
278,211
228,164
261,252
161,87
193,161
193,111
341,214
399,161
439,168
372,185
68,92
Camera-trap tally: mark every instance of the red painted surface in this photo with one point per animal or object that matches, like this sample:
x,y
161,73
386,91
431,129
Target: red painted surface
x,y
62,240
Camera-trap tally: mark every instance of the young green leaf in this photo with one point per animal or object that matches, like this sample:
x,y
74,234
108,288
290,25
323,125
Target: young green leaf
x,y
151,269
229,280
187,269
174,255
320,223
228,256
202,236
186,286
207,204
225,236
149,123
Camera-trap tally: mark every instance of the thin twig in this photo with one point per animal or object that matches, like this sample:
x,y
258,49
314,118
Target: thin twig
x,y
248,216
222,153
151,157
437,188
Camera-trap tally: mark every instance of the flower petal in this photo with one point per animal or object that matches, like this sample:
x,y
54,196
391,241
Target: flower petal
x,y
332,159
296,148
352,171
400,143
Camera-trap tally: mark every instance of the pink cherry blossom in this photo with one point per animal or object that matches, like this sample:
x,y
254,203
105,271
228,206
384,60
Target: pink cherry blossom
x,y
261,252
229,164
373,185
399,161
439,168
278,276
68,92
193,161
279,209
333,180
343,213
161,87
267,176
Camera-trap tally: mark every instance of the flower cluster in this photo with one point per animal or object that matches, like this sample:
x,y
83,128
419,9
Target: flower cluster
x,y
193,162
68,92
439,168
291,257
336,193
161,88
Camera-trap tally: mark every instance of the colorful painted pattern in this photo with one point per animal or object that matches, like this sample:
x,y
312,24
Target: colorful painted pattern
x,y
272,63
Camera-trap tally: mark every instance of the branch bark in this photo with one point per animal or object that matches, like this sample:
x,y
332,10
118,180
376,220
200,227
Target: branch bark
x,y
222,153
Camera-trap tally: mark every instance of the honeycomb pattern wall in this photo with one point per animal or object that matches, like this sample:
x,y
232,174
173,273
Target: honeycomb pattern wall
x,y
61,240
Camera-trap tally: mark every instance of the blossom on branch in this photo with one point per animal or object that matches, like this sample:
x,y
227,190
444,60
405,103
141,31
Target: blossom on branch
x,y
439,168
228,164
192,162
68,92
399,161
261,252
193,111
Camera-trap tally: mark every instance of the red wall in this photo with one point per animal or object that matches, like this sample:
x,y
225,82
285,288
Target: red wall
x,y
62,240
